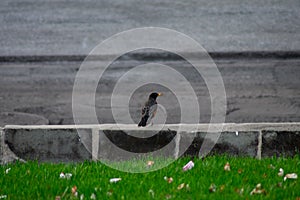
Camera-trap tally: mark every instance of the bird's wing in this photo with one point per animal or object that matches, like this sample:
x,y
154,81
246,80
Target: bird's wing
x,y
152,111
145,110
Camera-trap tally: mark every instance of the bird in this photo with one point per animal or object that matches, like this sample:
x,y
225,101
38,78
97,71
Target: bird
x,y
149,109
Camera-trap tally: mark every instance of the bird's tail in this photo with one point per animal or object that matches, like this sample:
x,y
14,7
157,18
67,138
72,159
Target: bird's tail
x,y
143,121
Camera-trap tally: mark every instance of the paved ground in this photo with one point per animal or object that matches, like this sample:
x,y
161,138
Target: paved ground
x,y
75,27
263,90
258,90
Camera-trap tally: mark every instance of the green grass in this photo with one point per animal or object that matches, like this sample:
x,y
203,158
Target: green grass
x,y
35,180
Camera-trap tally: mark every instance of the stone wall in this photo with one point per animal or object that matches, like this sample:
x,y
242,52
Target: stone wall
x,y
70,143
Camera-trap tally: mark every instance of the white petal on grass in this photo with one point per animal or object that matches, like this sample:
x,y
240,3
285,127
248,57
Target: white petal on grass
x,y
114,180
188,166
81,196
290,176
93,196
180,186
65,176
281,172
227,167
257,190
62,175
150,163
68,175
212,188
151,192
74,191
168,179
7,170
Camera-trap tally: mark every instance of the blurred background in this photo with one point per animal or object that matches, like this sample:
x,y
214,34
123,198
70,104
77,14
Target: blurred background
x,y
255,44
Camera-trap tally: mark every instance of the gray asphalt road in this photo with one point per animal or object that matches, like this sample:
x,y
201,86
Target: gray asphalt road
x,y
257,90
76,27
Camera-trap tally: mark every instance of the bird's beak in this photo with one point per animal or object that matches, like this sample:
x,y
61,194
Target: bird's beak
x,y
160,94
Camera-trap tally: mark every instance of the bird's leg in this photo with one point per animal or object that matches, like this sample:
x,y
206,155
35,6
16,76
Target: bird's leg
x,y
150,124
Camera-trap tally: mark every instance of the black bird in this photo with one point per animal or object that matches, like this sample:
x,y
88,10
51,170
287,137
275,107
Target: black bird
x,y
149,109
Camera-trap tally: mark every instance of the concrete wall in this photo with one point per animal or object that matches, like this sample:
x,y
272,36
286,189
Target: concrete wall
x,y
117,142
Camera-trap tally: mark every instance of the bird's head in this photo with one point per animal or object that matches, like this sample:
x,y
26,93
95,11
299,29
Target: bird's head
x,y
154,95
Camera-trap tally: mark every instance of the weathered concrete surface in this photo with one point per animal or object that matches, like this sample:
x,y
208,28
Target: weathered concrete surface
x,y
275,143
63,143
55,145
118,145
6,155
243,144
